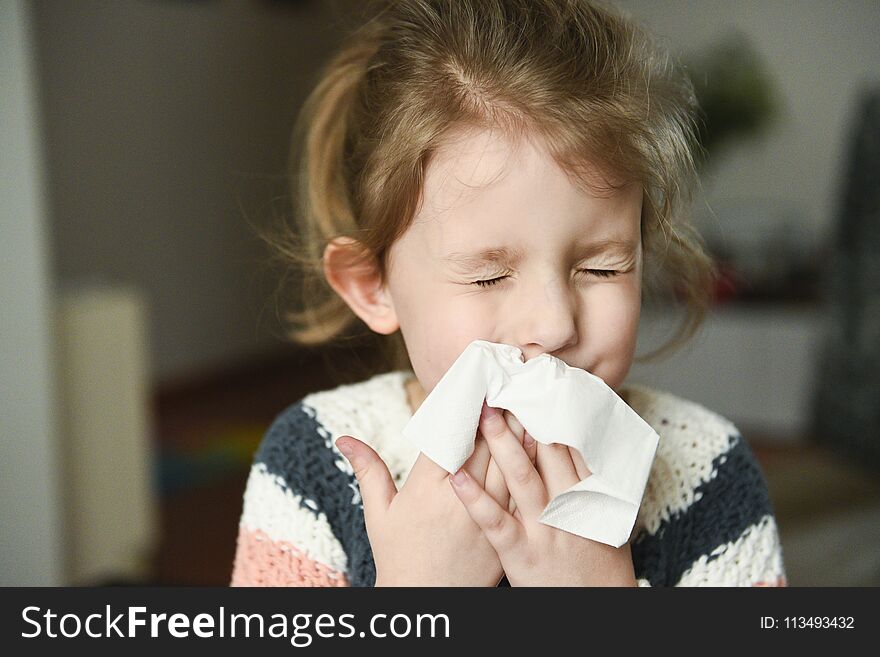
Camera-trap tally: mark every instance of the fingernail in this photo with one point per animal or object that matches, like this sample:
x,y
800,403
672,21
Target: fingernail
x,y
459,478
487,412
528,441
345,448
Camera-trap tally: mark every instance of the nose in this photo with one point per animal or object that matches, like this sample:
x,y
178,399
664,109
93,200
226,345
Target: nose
x,y
546,319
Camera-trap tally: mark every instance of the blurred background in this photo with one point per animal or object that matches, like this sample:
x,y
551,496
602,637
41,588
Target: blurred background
x,y
141,351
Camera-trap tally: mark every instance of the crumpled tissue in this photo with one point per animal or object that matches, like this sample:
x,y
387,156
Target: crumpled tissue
x,y
555,403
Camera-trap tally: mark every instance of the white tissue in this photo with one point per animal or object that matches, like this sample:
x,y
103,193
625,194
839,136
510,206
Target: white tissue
x,y
555,403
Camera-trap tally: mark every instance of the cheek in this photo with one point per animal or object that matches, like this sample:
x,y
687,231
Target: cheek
x,y
611,320
612,311
438,321
454,322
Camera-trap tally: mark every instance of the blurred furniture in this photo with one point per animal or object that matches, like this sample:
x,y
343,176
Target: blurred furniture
x,y
847,404
828,512
107,464
753,364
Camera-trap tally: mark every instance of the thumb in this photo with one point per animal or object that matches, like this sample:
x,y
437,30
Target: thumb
x,y
375,481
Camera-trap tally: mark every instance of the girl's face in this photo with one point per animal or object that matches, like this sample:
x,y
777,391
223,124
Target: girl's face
x,y
506,248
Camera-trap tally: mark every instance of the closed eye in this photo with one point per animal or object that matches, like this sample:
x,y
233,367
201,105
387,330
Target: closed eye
x,y
603,273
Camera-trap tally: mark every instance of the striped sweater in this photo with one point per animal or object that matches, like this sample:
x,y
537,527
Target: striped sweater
x,y
705,518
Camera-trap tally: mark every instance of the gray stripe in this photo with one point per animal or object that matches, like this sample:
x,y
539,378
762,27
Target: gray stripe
x,y
733,501
293,450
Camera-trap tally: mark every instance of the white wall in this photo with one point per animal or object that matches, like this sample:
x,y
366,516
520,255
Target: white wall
x,y
161,117
818,54
758,365
30,517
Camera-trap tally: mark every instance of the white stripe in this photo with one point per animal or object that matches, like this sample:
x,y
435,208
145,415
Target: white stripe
x,y
274,509
754,557
690,441
374,411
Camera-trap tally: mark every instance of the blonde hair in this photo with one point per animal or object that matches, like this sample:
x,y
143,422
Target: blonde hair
x,y
589,81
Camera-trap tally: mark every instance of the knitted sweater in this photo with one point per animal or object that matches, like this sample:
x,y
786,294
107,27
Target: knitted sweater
x,y
705,518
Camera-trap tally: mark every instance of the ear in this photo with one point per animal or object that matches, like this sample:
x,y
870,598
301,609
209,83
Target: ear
x,y
358,282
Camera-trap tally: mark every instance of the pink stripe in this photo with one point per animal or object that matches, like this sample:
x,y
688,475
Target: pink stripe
x,y
780,581
260,561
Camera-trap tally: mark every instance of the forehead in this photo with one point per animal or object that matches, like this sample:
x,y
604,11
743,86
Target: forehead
x,y
482,186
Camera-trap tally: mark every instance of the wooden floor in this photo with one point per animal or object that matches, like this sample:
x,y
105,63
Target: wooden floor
x,y
827,509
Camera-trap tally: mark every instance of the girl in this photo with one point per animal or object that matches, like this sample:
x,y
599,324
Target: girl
x,y
518,171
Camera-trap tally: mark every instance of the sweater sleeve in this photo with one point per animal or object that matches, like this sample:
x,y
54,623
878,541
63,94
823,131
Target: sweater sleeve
x,y
729,537
286,533
726,537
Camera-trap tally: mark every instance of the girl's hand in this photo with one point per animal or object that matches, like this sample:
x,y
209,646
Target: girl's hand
x,y
532,553
422,535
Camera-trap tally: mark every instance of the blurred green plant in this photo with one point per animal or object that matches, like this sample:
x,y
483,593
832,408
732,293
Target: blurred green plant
x,y
736,96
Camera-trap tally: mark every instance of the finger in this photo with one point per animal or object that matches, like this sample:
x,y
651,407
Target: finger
x,y
501,529
531,448
478,462
530,445
579,464
495,478
513,423
495,485
374,480
425,468
556,468
520,432
520,475
494,482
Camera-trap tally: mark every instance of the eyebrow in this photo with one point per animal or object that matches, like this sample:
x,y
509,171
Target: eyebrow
x,y
505,255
